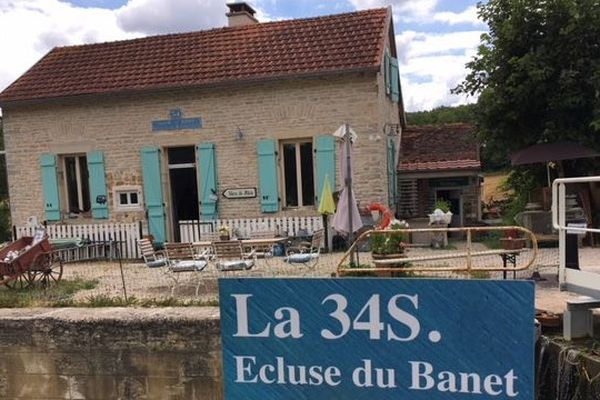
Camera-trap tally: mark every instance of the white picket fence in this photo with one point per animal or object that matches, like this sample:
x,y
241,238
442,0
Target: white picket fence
x,y
192,231
122,236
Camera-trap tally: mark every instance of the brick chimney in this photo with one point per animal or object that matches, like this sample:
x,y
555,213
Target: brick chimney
x,y
240,13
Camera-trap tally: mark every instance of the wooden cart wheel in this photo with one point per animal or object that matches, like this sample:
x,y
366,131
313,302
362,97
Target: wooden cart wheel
x,y
22,281
47,269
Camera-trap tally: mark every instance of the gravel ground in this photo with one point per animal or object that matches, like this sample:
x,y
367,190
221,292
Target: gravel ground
x,y
143,282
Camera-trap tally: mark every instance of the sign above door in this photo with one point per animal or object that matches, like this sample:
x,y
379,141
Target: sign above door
x,y
176,122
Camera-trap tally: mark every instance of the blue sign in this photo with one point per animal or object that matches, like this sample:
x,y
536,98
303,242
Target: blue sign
x,y
377,339
176,122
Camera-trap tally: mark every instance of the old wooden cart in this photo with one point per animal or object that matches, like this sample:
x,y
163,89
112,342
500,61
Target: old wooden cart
x,y
23,263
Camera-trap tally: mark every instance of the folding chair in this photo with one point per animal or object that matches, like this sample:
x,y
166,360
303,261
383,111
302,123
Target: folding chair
x,y
171,267
307,252
152,258
230,256
262,251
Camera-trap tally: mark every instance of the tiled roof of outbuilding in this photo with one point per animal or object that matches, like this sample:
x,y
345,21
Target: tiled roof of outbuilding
x,y
302,47
438,148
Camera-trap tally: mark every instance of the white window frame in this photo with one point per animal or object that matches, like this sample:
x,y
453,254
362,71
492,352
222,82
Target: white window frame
x,y
65,182
297,143
128,190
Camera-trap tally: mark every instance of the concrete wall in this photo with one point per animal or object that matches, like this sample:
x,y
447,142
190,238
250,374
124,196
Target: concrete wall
x,y
167,353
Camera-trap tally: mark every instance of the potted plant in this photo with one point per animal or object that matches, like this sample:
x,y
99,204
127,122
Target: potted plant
x,y
512,240
441,213
390,245
224,232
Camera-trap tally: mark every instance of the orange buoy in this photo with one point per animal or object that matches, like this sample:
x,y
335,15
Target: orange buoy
x,y
387,215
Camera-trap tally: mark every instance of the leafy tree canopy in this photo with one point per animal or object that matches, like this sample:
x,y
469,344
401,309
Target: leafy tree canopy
x,y
537,74
441,115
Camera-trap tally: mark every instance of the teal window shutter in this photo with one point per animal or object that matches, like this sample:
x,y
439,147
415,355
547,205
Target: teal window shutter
x,y
392,173
395,80
98,196
267,170
325,163
50,186
153,193
207,180
387,72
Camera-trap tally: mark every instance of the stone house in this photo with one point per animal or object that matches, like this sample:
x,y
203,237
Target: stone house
x,y
234,122
439,162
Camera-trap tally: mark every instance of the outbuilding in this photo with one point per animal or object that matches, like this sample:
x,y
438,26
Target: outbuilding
x,y
440,163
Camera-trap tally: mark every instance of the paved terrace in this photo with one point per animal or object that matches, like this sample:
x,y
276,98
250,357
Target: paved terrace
x,y
143,282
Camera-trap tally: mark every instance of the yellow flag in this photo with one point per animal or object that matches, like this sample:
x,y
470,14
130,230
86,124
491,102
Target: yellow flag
x,y
326,205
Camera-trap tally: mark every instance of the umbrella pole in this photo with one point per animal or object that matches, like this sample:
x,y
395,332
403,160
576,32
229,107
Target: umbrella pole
x,y
326,231
349,190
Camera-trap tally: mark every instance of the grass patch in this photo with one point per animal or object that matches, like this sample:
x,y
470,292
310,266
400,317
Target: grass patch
x,y
61,295
56,295
107,301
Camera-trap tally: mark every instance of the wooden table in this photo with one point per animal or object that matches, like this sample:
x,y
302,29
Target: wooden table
x,y
246,242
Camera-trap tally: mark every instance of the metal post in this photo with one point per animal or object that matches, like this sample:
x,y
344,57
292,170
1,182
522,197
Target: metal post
x,y
118,248
349,188
562,236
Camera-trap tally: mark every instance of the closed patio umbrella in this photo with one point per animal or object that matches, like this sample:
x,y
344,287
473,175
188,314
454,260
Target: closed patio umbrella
x,y
326,207
347,218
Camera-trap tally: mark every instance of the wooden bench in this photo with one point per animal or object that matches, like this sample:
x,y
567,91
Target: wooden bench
x,y
578,319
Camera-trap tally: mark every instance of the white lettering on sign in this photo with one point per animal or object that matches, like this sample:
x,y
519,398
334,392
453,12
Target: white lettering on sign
x,y
282,373
368,319
424,378
288,326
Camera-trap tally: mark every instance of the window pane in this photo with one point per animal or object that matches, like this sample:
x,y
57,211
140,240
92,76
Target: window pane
x,y
85,184
72,189
308,185
181,155
291,175
133,197
123,199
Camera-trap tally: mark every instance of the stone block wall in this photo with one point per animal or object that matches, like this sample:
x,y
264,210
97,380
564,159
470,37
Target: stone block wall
x,y
120,126
168,353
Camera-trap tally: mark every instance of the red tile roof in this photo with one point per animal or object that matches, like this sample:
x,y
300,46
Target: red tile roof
x,y
302,47
438,148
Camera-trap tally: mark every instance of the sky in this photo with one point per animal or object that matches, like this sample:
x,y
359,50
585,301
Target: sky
x,y
435,38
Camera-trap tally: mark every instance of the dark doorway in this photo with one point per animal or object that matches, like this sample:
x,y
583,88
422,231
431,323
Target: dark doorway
x,y
184,186
453,197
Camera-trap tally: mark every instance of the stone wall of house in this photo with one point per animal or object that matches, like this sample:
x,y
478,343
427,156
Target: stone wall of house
x,y
169,353
120,126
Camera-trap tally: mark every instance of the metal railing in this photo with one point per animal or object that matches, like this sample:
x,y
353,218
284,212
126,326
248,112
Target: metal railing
x,y
583,282
468,254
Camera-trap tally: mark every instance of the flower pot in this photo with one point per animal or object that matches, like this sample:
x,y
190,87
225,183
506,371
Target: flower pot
x,y
512,243
224,237
392,256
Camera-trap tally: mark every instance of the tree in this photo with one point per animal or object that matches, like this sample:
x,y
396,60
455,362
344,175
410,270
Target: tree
x,y
441,115
537,74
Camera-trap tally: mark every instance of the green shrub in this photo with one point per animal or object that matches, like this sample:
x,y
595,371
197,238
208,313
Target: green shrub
x,y
443,205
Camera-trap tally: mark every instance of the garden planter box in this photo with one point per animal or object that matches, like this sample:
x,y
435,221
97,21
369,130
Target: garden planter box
x,y
512,244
